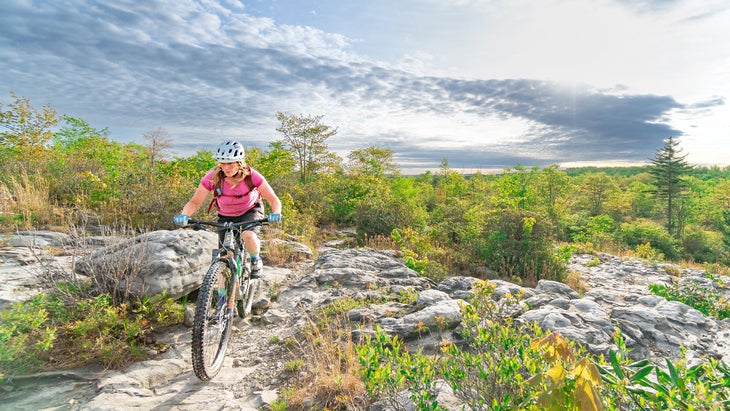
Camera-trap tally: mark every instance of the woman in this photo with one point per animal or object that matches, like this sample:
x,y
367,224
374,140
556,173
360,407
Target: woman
x,y
237,193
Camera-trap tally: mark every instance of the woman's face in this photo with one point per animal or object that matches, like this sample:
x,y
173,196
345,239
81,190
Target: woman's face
x,y
229,169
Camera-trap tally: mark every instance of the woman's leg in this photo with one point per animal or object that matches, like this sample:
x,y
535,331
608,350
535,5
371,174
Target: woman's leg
x,y
252,242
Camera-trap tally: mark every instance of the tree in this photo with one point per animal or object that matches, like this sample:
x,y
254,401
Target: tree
x,y
595,190
306,138
517,187
669,169
375,161
552,187
276,164
24,131
159,142
516,244
85,165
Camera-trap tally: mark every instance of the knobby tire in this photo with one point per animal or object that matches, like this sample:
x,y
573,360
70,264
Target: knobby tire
x,y
211,326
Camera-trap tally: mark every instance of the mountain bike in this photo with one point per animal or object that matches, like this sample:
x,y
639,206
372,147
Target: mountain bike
x,y
227,290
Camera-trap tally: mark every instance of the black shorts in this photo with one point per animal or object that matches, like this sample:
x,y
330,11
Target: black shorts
x,y
255,213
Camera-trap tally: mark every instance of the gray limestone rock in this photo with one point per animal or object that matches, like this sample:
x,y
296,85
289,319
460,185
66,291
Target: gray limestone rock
x,y
171,261
618,298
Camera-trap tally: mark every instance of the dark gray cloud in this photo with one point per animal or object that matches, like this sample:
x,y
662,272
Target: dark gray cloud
x,y
200,72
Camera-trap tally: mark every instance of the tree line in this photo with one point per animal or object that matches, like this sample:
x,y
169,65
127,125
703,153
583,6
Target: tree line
x,y
520,223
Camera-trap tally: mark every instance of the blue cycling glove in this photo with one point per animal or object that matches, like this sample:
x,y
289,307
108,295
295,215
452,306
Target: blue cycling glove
x,y
181,220
274,218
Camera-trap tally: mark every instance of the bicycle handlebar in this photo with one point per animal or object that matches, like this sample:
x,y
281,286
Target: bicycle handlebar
x,y
225,225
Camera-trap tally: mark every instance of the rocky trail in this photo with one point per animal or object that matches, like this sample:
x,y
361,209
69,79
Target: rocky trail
x,y
254,371
250,377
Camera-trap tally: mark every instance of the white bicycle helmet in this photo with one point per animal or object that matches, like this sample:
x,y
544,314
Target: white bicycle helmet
x,y
230,151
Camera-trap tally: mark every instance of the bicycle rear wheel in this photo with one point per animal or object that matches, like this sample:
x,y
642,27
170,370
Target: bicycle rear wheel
x,y
249,286
212,322
247,289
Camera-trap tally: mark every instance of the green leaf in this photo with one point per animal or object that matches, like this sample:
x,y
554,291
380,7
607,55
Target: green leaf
x,y
616,366
642,373
662,376
639,364
695,371
636,389
675,375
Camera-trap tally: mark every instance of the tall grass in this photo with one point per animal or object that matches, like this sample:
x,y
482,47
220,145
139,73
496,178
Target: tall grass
x,y
330,376
26,203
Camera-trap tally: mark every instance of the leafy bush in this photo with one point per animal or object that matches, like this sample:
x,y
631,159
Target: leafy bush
x,y
46,333
597,230
648,252
640,385
640,232
504,365
25,337
702,246
421,254
696,294
379,215
517,246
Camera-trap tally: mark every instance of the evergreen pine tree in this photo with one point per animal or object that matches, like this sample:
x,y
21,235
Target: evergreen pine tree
x,y
669,169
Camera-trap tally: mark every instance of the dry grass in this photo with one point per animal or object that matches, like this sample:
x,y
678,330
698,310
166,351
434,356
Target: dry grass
x,y
330,377
28,203
381,242
112,270
116,269
279,252
7,202
576,283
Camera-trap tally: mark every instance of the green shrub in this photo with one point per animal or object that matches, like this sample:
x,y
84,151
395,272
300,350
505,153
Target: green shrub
x,y
702,246
503,365
597,230
25,337
648,252
421,254
564,253
641,232
640,385
697,295
518,246
48,333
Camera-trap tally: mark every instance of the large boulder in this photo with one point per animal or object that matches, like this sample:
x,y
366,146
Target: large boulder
x,y
149,264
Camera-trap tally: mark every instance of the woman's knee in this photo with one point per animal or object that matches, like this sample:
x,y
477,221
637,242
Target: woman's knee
x,y
249,236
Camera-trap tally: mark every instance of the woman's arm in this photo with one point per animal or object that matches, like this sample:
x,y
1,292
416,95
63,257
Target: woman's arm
x,y
269,195
201,193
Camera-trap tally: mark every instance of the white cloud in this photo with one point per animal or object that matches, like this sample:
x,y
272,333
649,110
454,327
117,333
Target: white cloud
x,y
457,79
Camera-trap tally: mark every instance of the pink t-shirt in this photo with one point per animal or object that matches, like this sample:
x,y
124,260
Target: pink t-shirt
x,y
235,201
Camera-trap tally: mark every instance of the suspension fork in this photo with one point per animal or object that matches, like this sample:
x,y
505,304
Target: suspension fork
x,y
236,272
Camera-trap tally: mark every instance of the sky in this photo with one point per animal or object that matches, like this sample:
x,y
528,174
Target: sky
x,y
482,84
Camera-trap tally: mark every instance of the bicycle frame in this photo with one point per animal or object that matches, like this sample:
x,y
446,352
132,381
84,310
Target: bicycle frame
x,y
229,251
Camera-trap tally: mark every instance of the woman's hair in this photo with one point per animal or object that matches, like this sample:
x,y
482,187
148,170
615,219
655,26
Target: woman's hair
x,y
219,175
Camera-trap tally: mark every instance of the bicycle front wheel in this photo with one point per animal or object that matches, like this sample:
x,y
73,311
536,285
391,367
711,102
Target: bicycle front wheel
x,y
212,323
